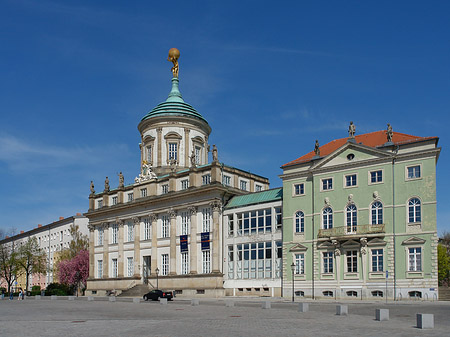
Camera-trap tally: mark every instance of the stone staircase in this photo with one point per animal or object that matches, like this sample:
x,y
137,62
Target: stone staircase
x,y
137,291
444,294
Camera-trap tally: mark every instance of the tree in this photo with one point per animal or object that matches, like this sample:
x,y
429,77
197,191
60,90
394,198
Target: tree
x,y
31,258
444,259
75,272
9,266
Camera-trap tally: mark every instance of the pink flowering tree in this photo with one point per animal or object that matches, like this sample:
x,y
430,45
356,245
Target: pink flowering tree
x,y
75,272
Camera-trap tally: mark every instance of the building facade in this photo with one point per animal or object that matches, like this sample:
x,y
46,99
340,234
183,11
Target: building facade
x,y
165,229
359,218
52,238
253,244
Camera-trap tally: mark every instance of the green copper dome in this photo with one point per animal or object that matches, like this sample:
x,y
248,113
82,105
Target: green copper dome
x,y
174,106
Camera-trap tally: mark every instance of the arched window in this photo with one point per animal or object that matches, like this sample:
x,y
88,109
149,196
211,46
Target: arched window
x,y
377,213
414,212
299,222
327,218
351,221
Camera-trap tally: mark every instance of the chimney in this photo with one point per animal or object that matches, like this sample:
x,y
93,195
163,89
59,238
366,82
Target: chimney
x,y
61,218
78,214
39,225
21,232
6,237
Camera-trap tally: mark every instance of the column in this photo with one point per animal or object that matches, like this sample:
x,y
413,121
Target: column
x,y
364,264
159,159
186,147
193,244
154,219
120,246
105,249
137,246
173,242
91,252
216,205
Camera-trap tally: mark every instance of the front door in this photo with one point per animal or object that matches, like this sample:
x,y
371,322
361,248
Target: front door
x,y
147,268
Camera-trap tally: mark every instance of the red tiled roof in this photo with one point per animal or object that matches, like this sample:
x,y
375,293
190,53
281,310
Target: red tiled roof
x,y
372,139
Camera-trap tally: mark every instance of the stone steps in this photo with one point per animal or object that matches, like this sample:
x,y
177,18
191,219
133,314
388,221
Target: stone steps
x,y
137,291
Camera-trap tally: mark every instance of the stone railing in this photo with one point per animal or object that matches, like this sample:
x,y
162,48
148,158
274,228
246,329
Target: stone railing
x,y
351,230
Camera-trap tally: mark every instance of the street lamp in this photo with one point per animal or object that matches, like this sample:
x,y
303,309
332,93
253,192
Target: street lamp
x,y
157,273
293,270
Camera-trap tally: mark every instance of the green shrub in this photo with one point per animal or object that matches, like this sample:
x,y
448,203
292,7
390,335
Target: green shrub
x,y
57,289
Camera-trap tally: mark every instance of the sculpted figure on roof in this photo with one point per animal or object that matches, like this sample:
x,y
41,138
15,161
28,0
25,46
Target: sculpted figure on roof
x,y
106,184
317,148
389,133
174,55
351,130
215,155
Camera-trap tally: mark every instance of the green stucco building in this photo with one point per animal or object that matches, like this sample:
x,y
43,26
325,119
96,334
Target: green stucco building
x,y
359,218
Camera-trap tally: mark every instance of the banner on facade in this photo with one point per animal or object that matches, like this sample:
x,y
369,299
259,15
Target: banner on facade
x,y
183,243
205,240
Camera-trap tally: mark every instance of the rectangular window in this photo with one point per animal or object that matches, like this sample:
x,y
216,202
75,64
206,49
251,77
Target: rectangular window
x,y
327,262
415,259
230,262
99,236
130,266
206,262
185,263
299,264
114,268
130,196
114,200
206,220
377,260
206,179
350,180
143,192
230,225
243,185
99,268
165,188
99,203
130,232
164,264
352,261
226,180
414,172
278,217
299,189
114,233
258,188
376,176
173,151
61,235
185,223
185,184
197,155
147,227
165,226
149,154
327,184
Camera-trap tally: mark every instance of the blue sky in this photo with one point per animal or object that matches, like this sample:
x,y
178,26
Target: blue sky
x,y
76,77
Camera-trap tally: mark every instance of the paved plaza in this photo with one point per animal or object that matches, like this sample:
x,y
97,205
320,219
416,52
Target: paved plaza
x,y
79,317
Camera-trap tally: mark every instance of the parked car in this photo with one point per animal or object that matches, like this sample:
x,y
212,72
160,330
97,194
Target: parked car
x,y
156,294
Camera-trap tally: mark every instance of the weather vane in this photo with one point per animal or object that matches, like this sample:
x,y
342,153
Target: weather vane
x,y
174,55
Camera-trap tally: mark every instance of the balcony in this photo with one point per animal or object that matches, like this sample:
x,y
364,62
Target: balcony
x,y
351,231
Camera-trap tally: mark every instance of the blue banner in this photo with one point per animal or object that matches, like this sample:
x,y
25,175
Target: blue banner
x,y
183,243
205,240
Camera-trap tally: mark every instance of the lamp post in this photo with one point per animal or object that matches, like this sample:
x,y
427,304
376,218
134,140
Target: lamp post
x,y
157,273
293,270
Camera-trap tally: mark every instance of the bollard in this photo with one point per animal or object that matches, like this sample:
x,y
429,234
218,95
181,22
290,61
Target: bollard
x,y
341,310
136,300
382,315
163,301
37,297
53,297
303,307
266,305
71,298
425,321
112,298
195,302
229,303
90,298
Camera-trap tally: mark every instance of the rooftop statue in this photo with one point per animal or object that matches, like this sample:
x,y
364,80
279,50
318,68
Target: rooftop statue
x,y
351,130
92,187
317,148
193,159
106,185
389,133
121,180
146,173
215,155
174,55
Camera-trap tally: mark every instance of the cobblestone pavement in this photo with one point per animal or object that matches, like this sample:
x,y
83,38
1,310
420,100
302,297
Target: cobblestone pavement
x,y
101,317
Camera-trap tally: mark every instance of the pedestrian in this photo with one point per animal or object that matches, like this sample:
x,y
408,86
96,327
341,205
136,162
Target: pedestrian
x,y
20,294
3,293
11,295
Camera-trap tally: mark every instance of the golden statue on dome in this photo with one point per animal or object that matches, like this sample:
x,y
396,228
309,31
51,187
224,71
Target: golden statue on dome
x,y
174,55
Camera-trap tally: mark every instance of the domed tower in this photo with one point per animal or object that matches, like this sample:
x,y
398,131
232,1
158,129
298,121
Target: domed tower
x,y
173,134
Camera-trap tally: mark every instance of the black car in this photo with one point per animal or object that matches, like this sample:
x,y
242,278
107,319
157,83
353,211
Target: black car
x,y
156,294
